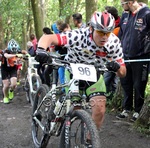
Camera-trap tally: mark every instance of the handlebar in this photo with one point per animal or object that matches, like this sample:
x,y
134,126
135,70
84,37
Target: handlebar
x,y
57,62
24,56
30,59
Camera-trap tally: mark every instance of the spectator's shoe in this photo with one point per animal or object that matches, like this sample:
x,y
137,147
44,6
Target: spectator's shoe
x,y
123,115
134,117
11,94
6,100
88,143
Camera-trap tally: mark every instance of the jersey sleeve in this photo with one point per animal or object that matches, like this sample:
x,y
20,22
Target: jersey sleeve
x,y
70,38
116,52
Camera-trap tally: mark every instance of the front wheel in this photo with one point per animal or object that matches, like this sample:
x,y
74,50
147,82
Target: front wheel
x,y
82,128
31,90
36,82
27,88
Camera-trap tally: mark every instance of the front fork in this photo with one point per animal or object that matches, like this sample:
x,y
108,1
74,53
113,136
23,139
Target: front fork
x,y
67,131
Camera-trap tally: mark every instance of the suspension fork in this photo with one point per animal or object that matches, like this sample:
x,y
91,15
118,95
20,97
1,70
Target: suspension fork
x,y
67,131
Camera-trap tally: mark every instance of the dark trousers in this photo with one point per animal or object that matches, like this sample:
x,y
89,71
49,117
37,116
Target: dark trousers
x,y
111,81
40,70
47,75
134,85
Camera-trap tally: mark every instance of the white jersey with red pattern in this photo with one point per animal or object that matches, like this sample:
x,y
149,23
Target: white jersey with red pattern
x,y
82,48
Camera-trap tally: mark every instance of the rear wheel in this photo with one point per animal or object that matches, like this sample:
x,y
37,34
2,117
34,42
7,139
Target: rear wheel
x,y
40,138
81,128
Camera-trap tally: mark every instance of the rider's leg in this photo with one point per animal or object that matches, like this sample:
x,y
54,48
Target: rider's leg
x,y
98,104
5,87
96,93
13,83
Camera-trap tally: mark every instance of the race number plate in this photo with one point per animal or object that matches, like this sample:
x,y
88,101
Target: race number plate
x,y
84,72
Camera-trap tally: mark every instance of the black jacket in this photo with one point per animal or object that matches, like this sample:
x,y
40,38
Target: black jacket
x,y
133,29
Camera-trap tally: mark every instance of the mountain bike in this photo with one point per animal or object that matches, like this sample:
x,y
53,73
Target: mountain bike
x,y
32,80
64,115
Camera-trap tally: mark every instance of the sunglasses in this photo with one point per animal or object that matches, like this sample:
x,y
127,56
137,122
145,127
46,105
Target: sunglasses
x,y
101,33
123,3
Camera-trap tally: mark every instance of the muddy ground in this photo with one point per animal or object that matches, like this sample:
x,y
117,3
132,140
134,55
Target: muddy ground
x,y
15,127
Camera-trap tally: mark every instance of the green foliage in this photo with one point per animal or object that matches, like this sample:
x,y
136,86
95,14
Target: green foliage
x,y
52,11
147,91
142,129
69,7
13,13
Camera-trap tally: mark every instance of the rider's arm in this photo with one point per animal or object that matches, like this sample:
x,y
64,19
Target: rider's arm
x,y
121,71
6,55
24,52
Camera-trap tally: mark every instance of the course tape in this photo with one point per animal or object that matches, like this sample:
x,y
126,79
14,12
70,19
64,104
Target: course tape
x,y
137,60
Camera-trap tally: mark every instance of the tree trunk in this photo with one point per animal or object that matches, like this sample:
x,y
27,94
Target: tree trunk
x,y
38,18
91,7
144,118
1,33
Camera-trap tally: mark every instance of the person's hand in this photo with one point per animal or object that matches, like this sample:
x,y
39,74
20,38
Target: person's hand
x,y
27,55
19,55
113,66
24,52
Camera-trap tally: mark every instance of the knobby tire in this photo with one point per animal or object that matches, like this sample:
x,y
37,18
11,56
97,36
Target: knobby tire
x,y
36,82
40,138
75,138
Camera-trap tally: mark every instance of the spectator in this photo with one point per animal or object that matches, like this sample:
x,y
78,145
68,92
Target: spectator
x,y
134,24
34,41
63,51
64,27
61,27
77,20
84,46
30,48
114,12
111,80
54,28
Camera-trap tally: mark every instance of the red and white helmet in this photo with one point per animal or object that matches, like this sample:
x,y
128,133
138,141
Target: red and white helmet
x,y
103,21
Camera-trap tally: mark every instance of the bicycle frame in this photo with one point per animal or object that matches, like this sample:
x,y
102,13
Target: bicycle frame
x,y
31,71
54,113
73,85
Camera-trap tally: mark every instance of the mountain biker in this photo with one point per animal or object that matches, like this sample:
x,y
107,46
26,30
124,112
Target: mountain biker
x,y
9,69
63,27
85,45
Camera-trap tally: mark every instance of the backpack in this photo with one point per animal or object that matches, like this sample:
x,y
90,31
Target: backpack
x,y
31,51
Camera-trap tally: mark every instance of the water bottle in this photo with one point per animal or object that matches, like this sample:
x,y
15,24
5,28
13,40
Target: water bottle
x,y
57,107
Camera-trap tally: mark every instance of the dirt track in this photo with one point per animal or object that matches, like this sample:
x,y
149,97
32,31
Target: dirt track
x,y
15,128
